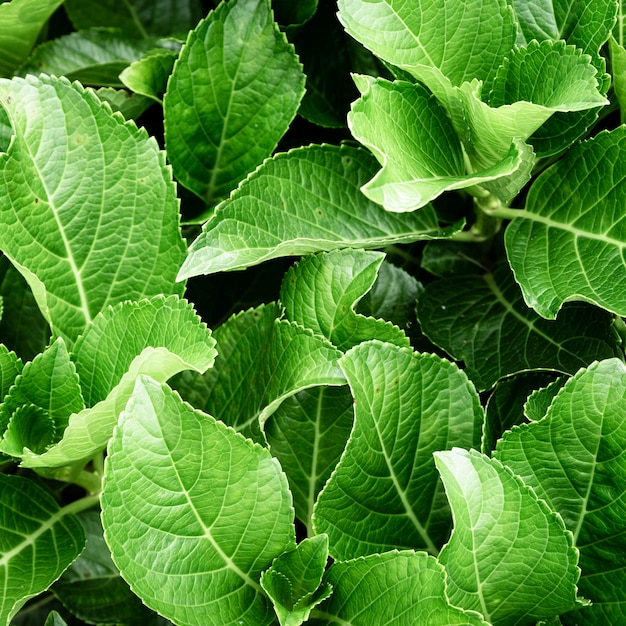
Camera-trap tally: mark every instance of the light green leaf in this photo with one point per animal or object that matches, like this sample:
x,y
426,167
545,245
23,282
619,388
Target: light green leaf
x,y
20,24
39,541
93,57
573,229
29,427
303,201
618,73
385,492
574,459
413,138
235,89
232,511
395,589
90,218
138,18
461,41
483,321
10,366
307,434
539,401
280,357
148,76
322,291
293,581
509,556
54,619
130,105
158,337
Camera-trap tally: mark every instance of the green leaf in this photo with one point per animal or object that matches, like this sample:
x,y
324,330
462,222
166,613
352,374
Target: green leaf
x,y
130,105
10,366
573,458
93,57
20,24
509,556
618,73
461,41
30,427
307,434
394,588
281,358
233,515
105,228
385,492
149,75
293,581
294,13
413,138
572,230
39,541
539,401
158,337
54,619
322,291
483,321
137,18
306,200
234,91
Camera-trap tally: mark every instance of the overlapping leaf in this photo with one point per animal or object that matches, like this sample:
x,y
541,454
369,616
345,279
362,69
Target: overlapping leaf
x,y
89,217
574,459
385,492
303,201
148,76
193,512
233,93
509,556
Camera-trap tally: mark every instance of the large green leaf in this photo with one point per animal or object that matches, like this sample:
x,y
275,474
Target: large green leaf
x,y
321,293
159,337
193,512
395,589
89,217
483,321
385,492
573,229
20,24
574,459
509,556
303,201
39,541
262,361
235,89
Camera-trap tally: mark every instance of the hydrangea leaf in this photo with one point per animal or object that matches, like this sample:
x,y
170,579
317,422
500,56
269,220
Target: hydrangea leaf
x,y
385,491
159,337
509,556
131,106
293,581
483,321
322,291
29,427
539,401
20,24
39,541
90,218
148,76
235,89
307,433
573,221
54,619
393,588
573,458
233,511
294,13
302,201
281,358
10,366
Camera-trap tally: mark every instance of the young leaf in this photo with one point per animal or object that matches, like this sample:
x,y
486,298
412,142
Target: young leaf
x,y
573,229
39,541
90,218
231,504
483,321
573,458
149,75
303,201
509,556
281,358
158,337
20,24
385,492
307,434
321,293
394,588
293,581
235,89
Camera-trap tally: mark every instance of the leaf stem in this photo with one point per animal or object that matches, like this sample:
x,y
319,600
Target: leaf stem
x,y
90,481
78,506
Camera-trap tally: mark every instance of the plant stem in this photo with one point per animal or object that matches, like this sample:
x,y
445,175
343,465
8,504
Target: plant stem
x,y
90,481
80,505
